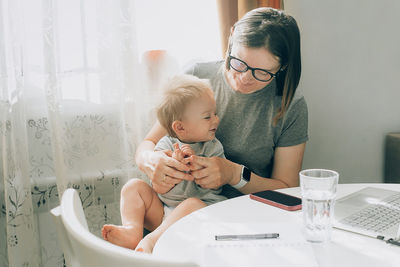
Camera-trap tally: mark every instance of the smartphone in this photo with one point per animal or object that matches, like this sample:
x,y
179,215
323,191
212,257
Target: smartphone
x,y
278,199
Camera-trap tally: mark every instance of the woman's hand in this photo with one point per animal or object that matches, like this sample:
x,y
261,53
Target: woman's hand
x,y
214,172
164,171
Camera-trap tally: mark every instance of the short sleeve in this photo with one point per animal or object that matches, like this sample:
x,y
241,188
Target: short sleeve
x,y
214,149
163,144
295,124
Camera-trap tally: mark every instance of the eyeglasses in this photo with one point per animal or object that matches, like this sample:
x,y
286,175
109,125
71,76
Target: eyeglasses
x,y
241,66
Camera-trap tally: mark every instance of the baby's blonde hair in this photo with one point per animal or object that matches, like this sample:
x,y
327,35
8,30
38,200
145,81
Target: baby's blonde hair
x,y
179,91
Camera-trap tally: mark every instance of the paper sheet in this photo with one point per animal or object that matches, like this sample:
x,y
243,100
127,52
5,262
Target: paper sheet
x,y
290,249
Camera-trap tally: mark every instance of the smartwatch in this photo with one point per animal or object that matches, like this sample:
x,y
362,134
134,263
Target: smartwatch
x,y
244,178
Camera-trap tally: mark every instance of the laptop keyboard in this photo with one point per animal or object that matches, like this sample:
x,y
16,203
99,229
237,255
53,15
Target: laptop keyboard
x,y
377,217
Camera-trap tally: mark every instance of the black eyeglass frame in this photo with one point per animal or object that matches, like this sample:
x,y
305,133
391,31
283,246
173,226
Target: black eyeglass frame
x,y
273,75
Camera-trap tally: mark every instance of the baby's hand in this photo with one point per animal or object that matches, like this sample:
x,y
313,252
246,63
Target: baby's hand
x,y
187,150
178,153
183,154
193,166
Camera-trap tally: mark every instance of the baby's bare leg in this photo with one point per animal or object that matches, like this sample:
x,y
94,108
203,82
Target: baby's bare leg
x,y
184,208
140,207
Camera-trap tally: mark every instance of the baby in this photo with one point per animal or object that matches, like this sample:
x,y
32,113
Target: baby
x,y
188,113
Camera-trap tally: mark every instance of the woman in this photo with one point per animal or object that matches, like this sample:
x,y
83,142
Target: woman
x,y
263,125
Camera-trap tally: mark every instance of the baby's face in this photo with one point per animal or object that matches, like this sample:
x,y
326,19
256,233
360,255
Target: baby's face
x,y
200,119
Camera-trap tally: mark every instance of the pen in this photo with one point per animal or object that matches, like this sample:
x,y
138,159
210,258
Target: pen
x,y
245,237
393,242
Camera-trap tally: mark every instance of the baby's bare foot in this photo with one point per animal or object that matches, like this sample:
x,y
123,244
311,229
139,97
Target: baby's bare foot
x,y
121,235
146,245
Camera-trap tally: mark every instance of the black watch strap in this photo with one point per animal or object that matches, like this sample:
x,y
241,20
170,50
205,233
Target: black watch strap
x,y
246,173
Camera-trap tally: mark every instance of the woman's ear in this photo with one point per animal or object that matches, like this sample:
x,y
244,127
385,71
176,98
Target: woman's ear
x,y
178,127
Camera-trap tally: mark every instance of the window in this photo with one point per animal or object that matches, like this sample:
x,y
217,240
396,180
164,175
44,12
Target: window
x,y
187,29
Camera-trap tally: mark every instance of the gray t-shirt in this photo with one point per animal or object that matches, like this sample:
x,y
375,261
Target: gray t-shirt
x,y
246,129
187,189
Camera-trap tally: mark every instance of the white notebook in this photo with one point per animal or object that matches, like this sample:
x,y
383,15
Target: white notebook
x,y
290,249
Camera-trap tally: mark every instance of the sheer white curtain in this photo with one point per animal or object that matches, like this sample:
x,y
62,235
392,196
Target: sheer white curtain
x,y
74,102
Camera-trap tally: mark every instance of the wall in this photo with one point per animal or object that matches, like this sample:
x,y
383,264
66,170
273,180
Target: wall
x,y
351,81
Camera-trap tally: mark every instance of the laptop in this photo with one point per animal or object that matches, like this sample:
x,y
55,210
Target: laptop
x,y
370,211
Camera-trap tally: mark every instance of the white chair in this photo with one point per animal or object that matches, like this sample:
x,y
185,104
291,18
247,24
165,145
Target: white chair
x,y
83,249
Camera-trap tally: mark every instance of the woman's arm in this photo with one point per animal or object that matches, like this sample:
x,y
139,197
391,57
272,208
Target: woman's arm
x,y
218,171
163,171
285,172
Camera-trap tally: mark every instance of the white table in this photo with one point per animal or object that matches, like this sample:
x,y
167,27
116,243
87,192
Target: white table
x,y
181,240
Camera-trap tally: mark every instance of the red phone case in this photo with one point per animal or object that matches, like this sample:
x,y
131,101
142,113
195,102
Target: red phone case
x,y
276,204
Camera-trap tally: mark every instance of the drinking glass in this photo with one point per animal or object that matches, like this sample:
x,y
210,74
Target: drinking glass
x,y
318,192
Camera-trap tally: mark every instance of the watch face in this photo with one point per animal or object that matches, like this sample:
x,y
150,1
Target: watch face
x,y
246,174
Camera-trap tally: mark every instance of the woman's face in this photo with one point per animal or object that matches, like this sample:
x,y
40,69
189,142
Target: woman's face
x,y
244,82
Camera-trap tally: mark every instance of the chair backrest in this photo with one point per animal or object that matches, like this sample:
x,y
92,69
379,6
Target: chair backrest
x,y
83,249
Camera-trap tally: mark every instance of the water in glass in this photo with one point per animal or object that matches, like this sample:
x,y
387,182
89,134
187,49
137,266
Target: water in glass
x,y
318,208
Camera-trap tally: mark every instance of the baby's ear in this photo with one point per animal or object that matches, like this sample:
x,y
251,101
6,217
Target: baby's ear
x,y
178,128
